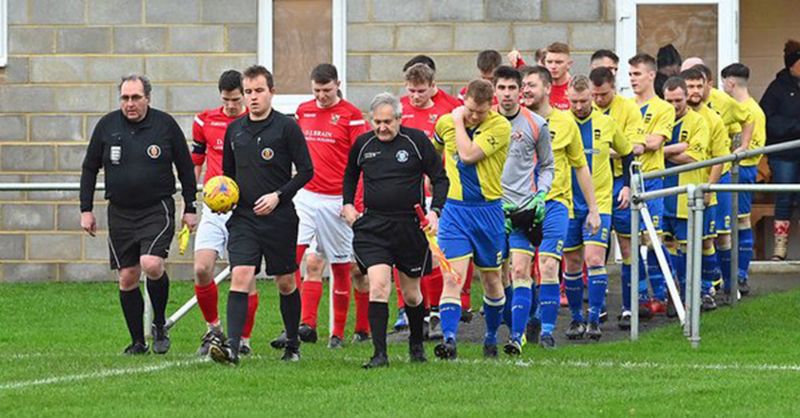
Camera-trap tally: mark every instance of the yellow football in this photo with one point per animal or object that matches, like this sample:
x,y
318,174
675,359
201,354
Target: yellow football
x,y
220,194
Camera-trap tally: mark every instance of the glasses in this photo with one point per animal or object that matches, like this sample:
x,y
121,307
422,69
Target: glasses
x,y
134,98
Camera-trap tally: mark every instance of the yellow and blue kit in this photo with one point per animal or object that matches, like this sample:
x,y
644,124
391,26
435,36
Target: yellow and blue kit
x,y
657,119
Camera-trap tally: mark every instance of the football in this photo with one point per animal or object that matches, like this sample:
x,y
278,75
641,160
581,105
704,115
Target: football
x,y
220,194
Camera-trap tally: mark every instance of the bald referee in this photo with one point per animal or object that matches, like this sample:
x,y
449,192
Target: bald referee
x,y
137,146
394,161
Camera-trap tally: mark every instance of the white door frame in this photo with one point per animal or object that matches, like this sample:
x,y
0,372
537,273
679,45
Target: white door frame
x,y
287,103
727,33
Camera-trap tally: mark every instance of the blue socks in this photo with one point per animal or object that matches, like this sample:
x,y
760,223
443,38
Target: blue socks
x,y
657,281
509,291
710,267
724,265
573,287
493,314
680,270
449,314
626,285
643,273
520,310
548,306
598,282
745,252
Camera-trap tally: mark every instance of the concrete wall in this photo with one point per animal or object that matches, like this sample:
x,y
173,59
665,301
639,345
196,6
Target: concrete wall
x,y
66,56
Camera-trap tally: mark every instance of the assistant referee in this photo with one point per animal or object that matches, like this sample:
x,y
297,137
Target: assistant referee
x,y
137,147
394,161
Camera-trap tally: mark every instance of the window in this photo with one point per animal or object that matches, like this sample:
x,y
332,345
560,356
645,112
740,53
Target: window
x,y
292,39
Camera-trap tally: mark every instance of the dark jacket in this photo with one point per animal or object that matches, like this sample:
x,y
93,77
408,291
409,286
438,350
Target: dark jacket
x,y
781,105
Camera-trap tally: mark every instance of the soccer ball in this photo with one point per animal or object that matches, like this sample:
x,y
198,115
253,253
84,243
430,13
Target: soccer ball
x,y
220,194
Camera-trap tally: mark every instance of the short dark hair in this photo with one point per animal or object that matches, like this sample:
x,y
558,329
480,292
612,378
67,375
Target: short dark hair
x,y
645,59
508,73
146,85
419,74
324,74
542,72
705,70
737,70
254,71
420,59
488,60
230,80
674,83
480,90
692,74
602,75
605,53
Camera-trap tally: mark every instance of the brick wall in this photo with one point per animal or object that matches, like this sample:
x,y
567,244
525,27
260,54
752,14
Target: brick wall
x,y
66,56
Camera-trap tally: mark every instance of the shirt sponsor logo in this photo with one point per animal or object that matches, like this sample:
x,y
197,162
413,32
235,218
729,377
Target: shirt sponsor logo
x,y
368,155
220,124
267,154
401,156
154,151
309,115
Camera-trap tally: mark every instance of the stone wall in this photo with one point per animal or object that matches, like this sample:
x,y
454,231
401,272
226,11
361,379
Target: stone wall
x,y
66,56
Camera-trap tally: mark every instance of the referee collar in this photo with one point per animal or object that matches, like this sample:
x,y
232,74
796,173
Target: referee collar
x,y
142,124
254,127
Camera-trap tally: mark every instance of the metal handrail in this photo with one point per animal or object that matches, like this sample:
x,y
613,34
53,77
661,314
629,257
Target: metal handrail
x,y
58,187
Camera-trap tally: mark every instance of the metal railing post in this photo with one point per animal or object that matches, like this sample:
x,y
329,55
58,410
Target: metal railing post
x,y
734,285
696,277
635,205
688,282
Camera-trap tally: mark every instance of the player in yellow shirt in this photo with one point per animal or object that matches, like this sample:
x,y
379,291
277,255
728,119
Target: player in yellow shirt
x,y
657,119
628,117
735,77
568,154
474,140
690,142
599,134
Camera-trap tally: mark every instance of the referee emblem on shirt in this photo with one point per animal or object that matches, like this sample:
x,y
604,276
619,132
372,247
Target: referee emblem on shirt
x,y
267,154
402,156
154,151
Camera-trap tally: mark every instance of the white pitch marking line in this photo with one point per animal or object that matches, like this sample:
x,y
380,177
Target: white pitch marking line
x,y
97,375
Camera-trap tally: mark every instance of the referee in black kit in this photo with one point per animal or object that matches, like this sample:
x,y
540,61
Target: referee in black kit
x,y
258,153
394,161
137,147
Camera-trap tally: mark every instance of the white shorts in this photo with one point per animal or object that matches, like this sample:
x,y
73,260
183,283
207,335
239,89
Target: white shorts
x,y
211,232
320,222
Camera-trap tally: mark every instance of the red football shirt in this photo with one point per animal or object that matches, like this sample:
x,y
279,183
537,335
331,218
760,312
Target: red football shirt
x,y
329,133
208,129
558,96
443,99
424,119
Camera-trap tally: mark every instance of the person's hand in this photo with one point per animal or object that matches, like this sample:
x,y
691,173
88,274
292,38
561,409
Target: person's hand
x,y
624,198
638,149
706,199
458,114
350,214
513,57
266,204
433,223
190,220
89,223
539,207
593,221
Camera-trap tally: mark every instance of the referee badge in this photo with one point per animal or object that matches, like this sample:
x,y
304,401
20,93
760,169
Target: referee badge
x,y
401,156
267,154
154,151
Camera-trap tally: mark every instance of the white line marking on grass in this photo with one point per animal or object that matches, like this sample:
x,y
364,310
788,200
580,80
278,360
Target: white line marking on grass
x,y
97,375
766,367
34,355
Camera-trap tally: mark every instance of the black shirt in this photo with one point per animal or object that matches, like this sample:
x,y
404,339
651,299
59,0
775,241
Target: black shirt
x,y
259,156
137,159
394,172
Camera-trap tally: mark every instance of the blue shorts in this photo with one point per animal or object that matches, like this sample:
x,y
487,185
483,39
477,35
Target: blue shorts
x,y
554,229
654,206
724,206
475,230
678,230
578,235
747,175
518,243
620,218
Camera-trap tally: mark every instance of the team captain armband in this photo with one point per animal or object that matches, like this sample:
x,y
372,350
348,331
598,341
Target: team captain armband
x,y
198,152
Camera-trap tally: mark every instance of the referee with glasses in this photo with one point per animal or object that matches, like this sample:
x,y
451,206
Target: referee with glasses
x,y
137,147
394,161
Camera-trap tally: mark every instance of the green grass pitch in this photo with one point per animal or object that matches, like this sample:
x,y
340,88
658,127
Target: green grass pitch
x,y
60,345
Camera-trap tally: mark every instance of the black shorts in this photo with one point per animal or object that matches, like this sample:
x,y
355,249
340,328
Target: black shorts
x,y
272,238
397,241
136,232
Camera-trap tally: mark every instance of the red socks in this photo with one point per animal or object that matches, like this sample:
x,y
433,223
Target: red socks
x,y
207,299
341,297
312,293
466,301
250,320
362,312
435,282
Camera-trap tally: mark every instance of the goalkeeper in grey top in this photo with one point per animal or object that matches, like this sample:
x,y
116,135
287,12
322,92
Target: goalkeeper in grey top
x,y
530,158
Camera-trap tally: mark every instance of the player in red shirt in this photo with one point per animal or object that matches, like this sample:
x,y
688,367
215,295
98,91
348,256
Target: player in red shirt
x,y
558,61
330,125
488,61
208,132
439,97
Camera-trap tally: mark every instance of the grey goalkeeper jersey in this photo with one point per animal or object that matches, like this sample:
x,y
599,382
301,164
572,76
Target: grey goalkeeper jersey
x,y
530,158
